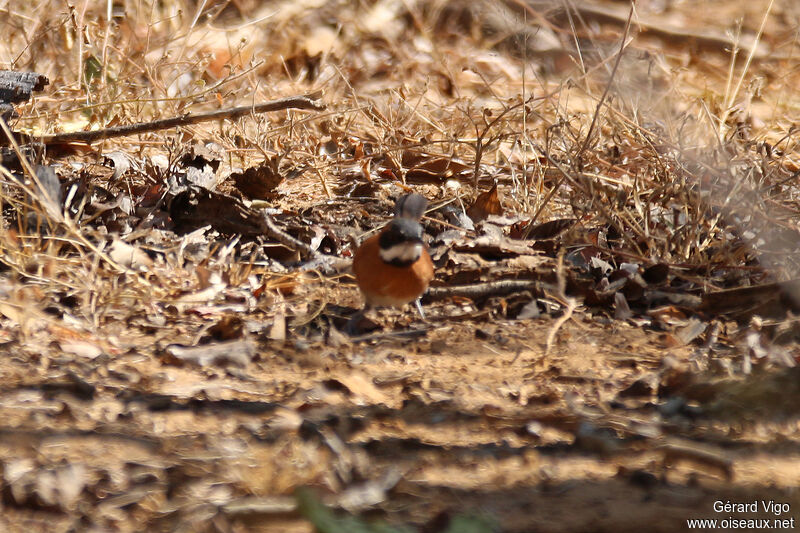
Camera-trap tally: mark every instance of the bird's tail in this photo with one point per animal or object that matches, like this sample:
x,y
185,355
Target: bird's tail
x,y
410,206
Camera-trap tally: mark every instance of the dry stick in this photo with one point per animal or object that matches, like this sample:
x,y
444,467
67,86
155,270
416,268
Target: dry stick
x,y
527,233
291,102
675,449
750,56
654,25
192,97
551,335
591,126
610,81
274,232
571,304
480,146
483,290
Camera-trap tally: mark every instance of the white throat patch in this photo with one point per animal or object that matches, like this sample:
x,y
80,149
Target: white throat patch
x,y
404,252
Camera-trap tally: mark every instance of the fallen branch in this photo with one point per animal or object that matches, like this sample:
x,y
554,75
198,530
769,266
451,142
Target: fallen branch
x,y
290,102
314,259
484,290
657,25
272,231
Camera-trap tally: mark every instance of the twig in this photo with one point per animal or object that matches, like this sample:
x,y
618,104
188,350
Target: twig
x,y
571,303
315,260
483,290
659,26
602,101
732,96
272,231
480,145
551,335
580,186
290,102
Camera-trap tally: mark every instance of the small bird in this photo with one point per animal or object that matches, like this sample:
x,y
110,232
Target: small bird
x,y
393,268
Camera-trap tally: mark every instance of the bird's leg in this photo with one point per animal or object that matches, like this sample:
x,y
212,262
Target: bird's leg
x,y
418,302
352,325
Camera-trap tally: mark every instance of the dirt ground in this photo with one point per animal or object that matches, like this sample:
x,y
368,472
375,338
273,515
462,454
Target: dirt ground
x,y
609,343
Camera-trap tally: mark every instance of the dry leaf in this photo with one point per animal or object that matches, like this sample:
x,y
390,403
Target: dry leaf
x,y
129,256
487,203
259,182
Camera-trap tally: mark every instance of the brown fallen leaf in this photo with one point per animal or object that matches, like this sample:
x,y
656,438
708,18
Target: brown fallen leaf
x,y
424,168
259,182
487,203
